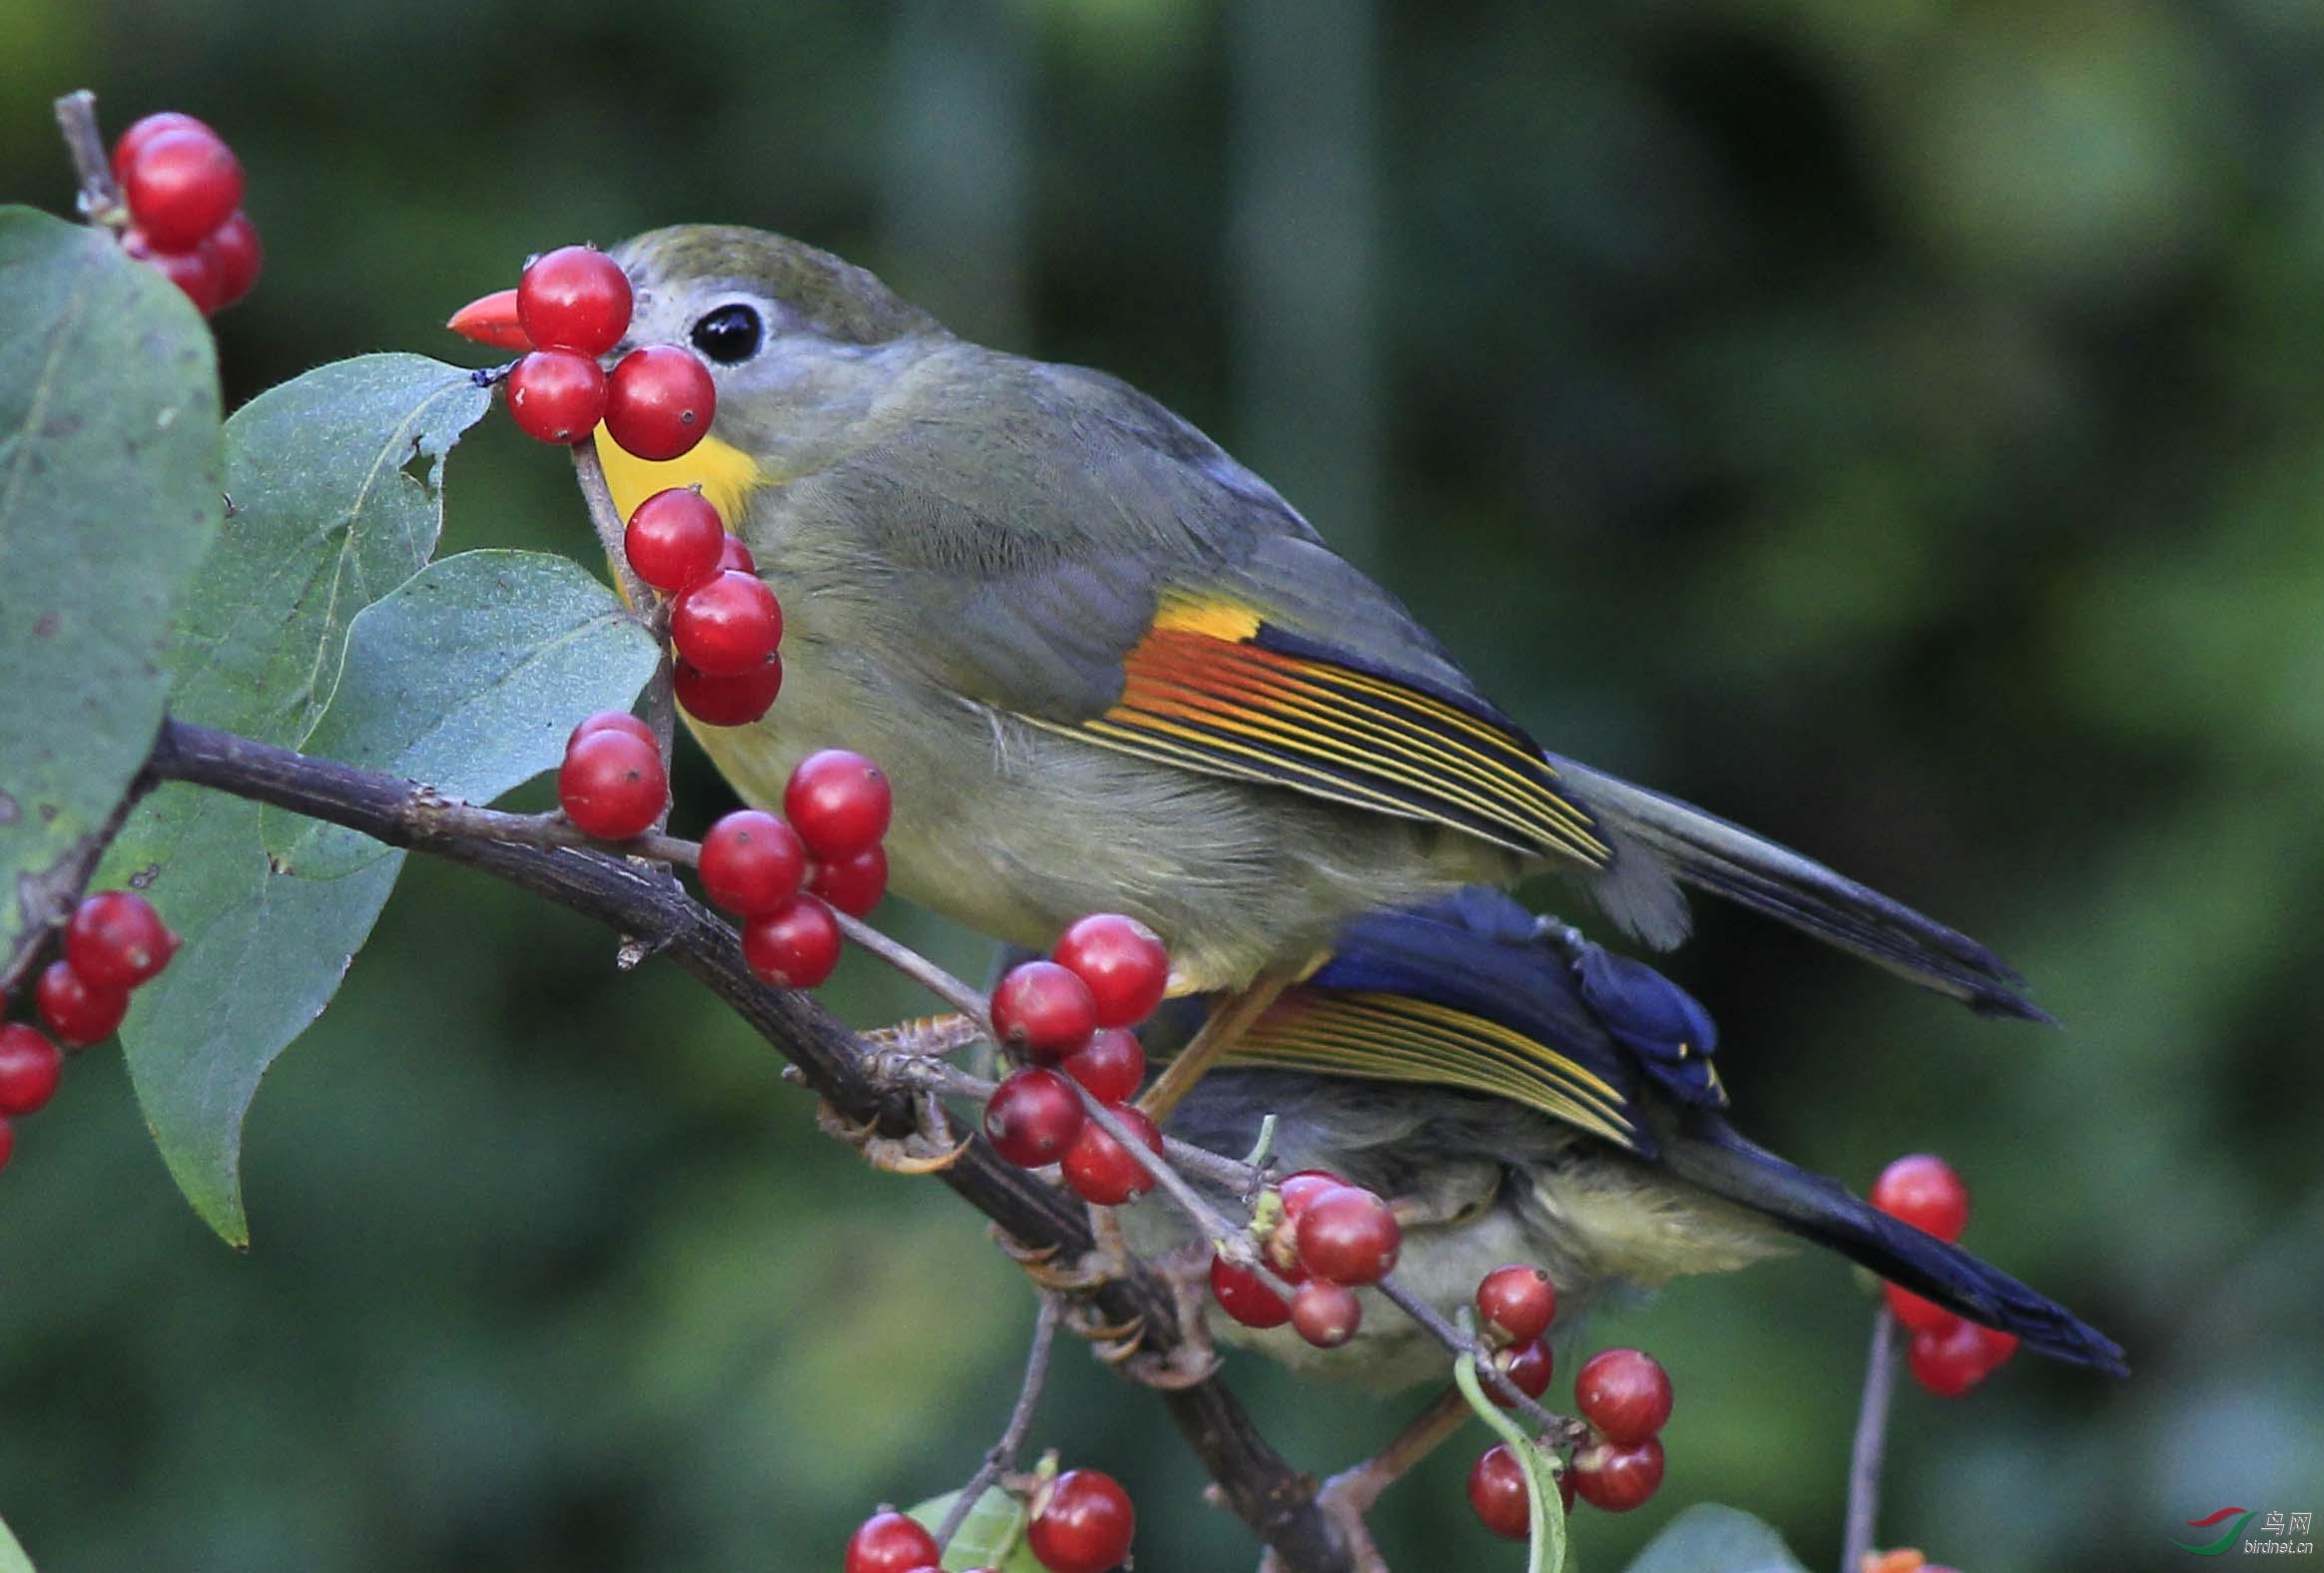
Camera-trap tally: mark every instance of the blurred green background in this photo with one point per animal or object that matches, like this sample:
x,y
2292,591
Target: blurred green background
x,y
1899,427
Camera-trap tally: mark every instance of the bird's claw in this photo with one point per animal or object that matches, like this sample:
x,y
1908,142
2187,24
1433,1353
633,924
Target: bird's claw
x,y
1088,1271
928,1150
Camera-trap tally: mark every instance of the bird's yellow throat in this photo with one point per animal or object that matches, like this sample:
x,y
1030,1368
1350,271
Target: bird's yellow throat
x,y
725,474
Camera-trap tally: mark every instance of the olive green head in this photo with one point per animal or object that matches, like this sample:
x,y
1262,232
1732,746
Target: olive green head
x,y
793,335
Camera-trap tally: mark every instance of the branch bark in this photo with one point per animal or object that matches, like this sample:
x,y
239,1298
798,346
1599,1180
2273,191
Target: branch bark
x,y
1277,1501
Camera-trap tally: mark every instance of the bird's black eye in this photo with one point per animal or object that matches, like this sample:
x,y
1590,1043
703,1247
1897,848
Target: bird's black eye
x,y
729,334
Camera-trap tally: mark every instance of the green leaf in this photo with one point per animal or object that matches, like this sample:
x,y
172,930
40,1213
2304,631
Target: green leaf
x,y
1708,1538
327,517
992,1536
12,1557
468,678
109,495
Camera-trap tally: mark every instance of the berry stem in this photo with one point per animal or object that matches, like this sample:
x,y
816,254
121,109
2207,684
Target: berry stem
x,y
606,519
1864,1460
77,118
1002,1457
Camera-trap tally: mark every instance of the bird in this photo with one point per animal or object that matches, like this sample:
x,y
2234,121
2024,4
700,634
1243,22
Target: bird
x,y
1520,1094
1110,668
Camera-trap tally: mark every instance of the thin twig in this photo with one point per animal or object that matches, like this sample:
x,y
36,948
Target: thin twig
x,y
46,896
1864,1460
1557,1430
1275,1500
77,118
604,519
944,1077
1001,1458
917,968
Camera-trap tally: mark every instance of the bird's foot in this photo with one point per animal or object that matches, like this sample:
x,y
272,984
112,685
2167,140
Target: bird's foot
x,y
929,1149
1193,1358
1092,1269
922,1038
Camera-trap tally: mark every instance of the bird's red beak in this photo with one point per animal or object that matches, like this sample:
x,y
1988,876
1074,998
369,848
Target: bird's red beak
x,y
493,321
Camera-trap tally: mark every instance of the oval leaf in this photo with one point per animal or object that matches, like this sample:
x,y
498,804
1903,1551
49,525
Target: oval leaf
x,y
327,517
109,496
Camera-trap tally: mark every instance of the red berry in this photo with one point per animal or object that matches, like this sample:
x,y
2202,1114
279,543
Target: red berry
x,y
727,624
1949,1364
1349,1235
1082,1523
612,785
674,538
752,863
1110,1065
733,554
840,801
1625,1394
7,1142
141,132
1618,1476
1295,1192
1034,1117
1917,1314
853,885
732,700
1497,1493
1244,1295
575,297
1924,1192
612,720
28,1068
1122,962
235,251
117,940
1517,1301
1528,1365
1041,1008
1326,1314
660,403
794,946
180,186
77,1012
1101,1170
888,1542
195,272
1301,1187
555,395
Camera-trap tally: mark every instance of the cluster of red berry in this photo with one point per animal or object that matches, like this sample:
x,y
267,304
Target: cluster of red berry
x,y
1072,1016
184,188
1624,1395
776,873
574,304
1325,1238
1081,1522
114,942
1947,1356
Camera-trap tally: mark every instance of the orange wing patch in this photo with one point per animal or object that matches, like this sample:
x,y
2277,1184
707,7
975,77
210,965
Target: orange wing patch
x,y
1395,1037
1204,689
